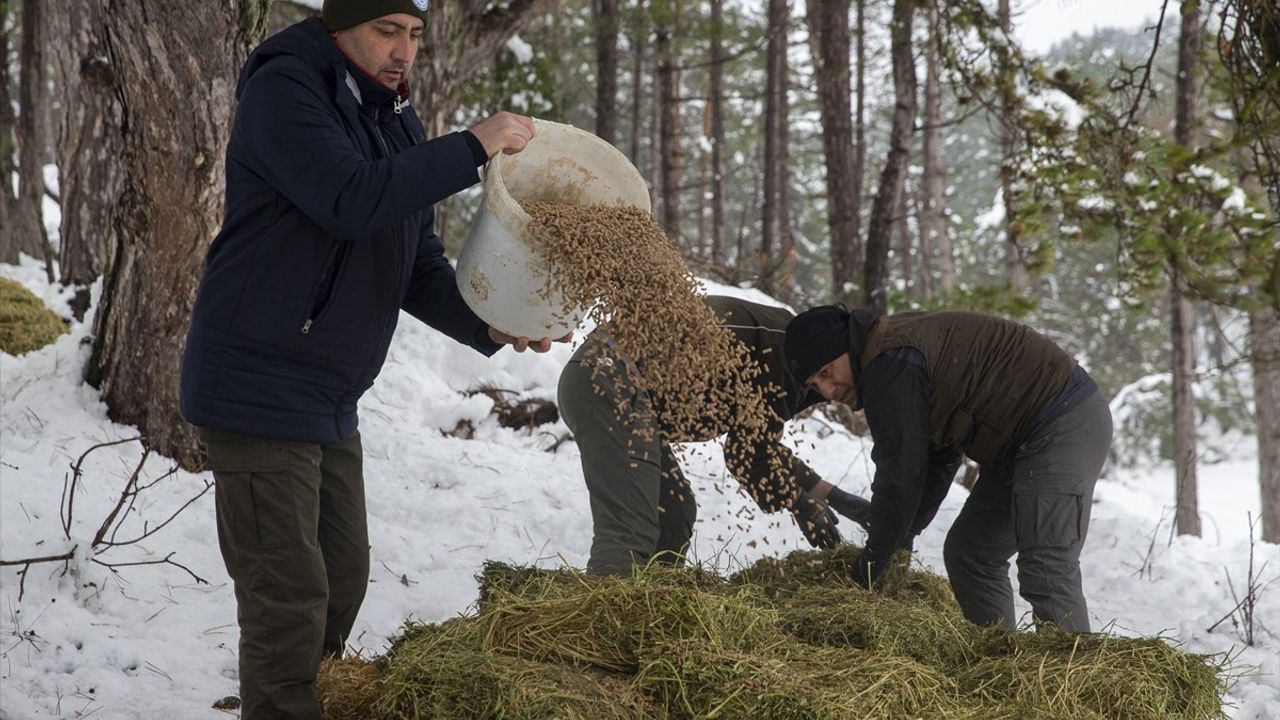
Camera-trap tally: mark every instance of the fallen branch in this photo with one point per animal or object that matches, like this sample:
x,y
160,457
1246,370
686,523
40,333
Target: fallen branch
x,y
105,537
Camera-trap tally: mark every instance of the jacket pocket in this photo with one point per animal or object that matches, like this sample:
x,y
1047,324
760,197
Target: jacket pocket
x,y
323,291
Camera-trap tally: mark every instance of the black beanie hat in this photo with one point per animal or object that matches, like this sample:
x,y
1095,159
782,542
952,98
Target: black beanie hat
x,y
815,337
342,14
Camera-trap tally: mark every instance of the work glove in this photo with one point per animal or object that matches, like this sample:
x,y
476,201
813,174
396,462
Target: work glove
x,y
816,521
854,507
866,570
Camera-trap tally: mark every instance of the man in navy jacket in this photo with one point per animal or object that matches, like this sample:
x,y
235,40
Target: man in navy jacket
x,y
328,235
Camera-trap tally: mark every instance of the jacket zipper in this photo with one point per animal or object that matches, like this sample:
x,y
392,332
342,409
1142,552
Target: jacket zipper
x,y
329,276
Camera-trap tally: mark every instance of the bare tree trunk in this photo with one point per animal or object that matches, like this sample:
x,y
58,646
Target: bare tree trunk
x,y
786,282
1182,320
1264,332
639,34
774,161
715,102
655,155
170,206
606,17
895,167
33,140
672,154
1015,270
8,146
89,145
1187,518
829,37
459,41
703,247
859,154
935,244
910,286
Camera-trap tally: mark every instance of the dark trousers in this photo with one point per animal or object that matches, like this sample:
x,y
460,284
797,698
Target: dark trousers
x,y
1042,514
642,507
294,537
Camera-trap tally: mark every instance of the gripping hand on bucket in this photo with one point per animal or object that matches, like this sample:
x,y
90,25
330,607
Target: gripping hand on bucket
x,y
505,132
520,344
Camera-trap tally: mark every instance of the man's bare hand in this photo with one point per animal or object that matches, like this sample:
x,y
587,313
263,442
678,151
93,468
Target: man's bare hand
x,y
520,344
505,132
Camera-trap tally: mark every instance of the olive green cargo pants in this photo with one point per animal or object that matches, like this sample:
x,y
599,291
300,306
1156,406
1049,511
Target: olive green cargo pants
x,y
294,537
642,508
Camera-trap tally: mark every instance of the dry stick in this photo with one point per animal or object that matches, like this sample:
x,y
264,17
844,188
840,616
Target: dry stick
x,y
100,542
1248,604
28,562
69,497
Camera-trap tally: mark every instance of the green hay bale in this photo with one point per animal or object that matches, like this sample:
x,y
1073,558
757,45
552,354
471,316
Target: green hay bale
x,y
792,680
885,626
805,569
609,622
1098,676
25,323
348,688
440,671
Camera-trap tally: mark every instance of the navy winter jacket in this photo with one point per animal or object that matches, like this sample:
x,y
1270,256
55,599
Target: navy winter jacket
x,y
328,233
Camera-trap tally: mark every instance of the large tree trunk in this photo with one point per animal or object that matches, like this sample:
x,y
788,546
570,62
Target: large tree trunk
x,y
774,101
8,146
715,103
669,127
829,38
935,245
606,18
89,144
859,151
1264,332
171,199
1182,319
33,139
895,168
786,280
461,38
639,36
1015,269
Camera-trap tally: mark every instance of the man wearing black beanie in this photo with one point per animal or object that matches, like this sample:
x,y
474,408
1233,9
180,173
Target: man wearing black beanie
x,y
938,385
329,233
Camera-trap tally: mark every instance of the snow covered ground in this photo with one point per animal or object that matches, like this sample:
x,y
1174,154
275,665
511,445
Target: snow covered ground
x,y
150,642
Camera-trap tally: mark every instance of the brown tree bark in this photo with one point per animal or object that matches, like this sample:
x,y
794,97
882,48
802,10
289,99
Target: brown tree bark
x,y
170,205
935,244
715,104
1182,319
8,145
605,13
848,292
829,39
33,135
89,144
880,225
639,41
461,39
1015,269
776,13
1264,335
671,152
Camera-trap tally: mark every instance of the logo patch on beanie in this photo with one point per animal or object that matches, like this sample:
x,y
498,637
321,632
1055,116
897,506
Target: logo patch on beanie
x,y
421,5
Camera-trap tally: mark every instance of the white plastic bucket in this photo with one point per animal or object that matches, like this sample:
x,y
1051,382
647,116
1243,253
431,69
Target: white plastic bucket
x,y
500,274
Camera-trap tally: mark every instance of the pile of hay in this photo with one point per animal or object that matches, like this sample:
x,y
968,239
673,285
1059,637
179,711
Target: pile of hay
x,y
25,323
785,638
